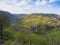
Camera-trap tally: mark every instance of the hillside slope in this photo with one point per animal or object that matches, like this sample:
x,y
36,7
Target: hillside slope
x,y
35,19
40,22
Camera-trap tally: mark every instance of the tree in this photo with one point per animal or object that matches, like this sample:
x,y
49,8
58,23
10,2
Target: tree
x,y
4,22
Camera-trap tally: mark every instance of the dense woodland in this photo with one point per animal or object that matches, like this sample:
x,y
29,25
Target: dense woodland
x,y
31,29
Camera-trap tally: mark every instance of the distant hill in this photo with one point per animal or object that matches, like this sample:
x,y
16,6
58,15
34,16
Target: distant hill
x,y
32,17
35,21
13,17
41,18
49,15
8,14
41,21
19,15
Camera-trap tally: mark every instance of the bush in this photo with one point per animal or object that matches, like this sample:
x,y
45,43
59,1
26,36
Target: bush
x,y
8,34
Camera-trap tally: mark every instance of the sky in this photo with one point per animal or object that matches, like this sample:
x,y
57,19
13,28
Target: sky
x,y
30,6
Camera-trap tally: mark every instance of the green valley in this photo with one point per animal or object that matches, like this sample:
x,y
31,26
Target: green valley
x,y
30,29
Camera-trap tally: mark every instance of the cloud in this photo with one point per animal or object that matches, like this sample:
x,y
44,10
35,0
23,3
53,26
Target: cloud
x,y
43,2
12,6
27,6
52,1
